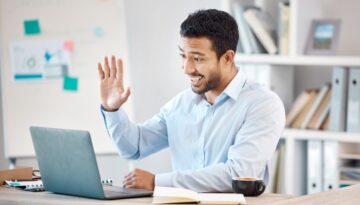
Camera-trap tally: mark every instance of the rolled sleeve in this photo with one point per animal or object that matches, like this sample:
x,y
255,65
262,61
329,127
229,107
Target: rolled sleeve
x,y
135,141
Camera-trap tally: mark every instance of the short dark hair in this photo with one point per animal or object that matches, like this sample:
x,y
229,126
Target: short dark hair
x,y
218,26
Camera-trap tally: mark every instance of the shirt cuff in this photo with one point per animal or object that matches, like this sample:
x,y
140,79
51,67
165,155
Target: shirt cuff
x,y
164,179
114,116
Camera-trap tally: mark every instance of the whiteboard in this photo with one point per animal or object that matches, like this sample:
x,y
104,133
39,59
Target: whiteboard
x,y
97,28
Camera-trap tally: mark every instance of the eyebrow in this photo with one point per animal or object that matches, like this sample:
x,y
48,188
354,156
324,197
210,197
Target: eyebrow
x,y
193,52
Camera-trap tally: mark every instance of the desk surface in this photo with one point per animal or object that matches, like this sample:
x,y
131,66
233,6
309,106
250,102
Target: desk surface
x,y
13,196
344,196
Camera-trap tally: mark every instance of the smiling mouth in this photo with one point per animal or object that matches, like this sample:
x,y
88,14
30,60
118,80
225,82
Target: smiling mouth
x,y
195,79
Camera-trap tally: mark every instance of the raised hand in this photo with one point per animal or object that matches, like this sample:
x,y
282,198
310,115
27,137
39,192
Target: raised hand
x,y
112,91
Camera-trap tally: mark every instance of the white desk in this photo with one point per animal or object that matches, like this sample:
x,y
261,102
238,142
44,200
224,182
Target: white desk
x,y
344,196
13,196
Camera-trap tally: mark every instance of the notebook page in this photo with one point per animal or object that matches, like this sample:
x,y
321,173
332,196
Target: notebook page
x,y
221,198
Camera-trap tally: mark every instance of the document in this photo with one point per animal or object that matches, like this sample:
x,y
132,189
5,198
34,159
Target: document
x,y
35,185
37,60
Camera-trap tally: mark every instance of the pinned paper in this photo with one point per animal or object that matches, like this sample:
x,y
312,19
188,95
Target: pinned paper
x,y
99,31
32,27
39,60
70,83
69,45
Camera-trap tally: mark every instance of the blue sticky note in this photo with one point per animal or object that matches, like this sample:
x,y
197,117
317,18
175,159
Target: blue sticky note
x,y
70,83
99,31
32,27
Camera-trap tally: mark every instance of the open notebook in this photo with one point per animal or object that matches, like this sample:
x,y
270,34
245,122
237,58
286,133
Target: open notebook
x,y
166,195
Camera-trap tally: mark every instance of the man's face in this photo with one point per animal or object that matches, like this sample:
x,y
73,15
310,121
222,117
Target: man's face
x,y
200,64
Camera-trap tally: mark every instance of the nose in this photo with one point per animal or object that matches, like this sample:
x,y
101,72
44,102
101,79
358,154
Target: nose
x,y
188,67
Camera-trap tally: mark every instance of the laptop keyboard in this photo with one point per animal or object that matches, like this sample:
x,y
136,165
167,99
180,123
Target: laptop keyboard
x,y
116,190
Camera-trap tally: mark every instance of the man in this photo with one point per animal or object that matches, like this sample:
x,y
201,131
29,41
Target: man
x,y
224,126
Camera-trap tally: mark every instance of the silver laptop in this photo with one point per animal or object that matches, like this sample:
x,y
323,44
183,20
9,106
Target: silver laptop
x,y
68,165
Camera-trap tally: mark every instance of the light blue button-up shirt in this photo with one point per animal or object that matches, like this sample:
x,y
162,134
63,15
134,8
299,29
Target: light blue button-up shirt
x,y
209,144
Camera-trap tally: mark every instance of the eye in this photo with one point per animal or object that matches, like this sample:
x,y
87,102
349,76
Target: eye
x,y
198,59
182,55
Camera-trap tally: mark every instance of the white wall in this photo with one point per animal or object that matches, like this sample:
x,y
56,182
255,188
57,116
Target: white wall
x,y
348,11
153,32
3,161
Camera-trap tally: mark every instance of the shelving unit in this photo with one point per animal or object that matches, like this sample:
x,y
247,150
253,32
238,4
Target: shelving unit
x,y
298,134
300,60
351,182
302,12
293,137
349,156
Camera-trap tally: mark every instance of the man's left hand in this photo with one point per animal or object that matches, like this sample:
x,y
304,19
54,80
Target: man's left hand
x,y
139,179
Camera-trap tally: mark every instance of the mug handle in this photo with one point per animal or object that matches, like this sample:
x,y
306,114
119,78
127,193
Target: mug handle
x,y
260,188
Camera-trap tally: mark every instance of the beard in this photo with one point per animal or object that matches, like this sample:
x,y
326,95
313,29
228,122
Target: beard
x,y
212,83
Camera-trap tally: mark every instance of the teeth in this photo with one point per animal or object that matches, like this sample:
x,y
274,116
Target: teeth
x,y
195,79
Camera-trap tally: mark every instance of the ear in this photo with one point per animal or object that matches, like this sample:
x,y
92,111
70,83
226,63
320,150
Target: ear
x,y
228,57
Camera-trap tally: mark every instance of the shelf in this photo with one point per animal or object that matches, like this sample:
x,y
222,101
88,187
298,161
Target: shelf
x,y
321,135
349,169
298,60
350,156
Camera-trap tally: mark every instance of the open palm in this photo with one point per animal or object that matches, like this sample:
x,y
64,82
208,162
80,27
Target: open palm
x,y
112,91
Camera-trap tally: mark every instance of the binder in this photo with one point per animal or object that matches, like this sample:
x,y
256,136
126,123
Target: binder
x,y
330,159
353,111
314,166
338,99
337,123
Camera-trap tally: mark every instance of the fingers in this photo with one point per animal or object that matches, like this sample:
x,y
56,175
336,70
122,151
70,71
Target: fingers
x,y
101,72
139,179
113,67
129,180
106,67
120,70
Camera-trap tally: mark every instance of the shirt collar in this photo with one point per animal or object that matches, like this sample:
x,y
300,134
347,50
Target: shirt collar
x,y
235,86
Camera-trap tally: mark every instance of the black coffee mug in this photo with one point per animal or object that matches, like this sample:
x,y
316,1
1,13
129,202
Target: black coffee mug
x,y
248,186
